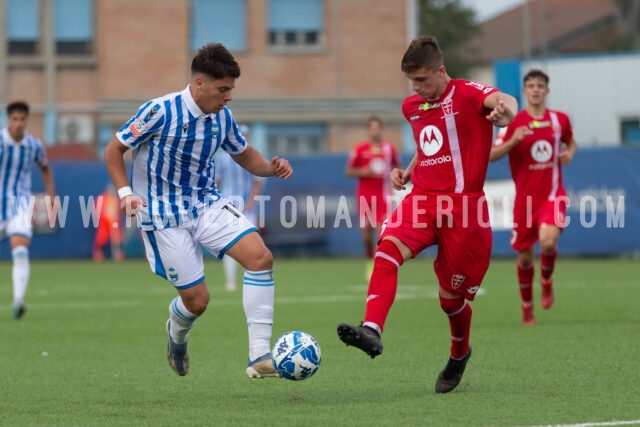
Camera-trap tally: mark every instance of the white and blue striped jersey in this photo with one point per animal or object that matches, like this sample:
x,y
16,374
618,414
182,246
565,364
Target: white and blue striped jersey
x,y
173,144
235,181
16,163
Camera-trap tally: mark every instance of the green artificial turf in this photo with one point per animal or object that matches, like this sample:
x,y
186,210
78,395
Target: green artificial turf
x,y
90,350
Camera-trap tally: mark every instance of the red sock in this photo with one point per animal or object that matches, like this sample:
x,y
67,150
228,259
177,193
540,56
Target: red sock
x,y
525,279
383,283
547,264
459,313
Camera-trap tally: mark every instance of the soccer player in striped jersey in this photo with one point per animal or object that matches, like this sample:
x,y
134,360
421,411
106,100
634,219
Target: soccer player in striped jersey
x,y
452,122
538,142
241,187
19,151
173,194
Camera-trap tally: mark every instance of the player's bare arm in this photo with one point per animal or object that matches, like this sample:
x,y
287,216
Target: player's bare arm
x,y
503,108
399,177
499,151
251,160
362,172
568,151
130,204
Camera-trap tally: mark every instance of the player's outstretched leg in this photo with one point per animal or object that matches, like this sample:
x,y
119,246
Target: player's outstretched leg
x,y
450,376
363,337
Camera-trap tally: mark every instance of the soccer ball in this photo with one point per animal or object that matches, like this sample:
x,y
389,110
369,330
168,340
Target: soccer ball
x,y
296,355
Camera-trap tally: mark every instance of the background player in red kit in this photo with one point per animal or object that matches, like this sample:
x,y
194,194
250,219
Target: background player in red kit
x,y
452,122
371,162
538,141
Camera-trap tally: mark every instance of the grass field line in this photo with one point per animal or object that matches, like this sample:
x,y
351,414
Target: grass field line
x,y
411,292
597,424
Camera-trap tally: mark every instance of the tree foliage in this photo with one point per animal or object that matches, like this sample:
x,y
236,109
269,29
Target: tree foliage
x,y
453,25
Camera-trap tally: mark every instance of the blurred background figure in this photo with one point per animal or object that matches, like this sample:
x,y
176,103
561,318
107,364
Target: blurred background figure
x,y
109,226
241,187
19,152
371,161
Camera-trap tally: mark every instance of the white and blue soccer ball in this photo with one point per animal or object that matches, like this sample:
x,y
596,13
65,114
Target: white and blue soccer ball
x,y
296,355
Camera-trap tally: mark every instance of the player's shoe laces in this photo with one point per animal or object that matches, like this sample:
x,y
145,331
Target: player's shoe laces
x,y
546,299
262,367
365,338
527,315
451,375
177,354
18,310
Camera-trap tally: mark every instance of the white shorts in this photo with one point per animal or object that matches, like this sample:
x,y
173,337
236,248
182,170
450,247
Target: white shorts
x,y
175,253
18,225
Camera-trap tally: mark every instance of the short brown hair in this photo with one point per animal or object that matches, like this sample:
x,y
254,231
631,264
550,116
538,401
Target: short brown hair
x,y
423,52
215,61
536,74
375,118
17,106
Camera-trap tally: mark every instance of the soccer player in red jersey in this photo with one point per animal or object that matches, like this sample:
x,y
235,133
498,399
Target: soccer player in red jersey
x,y
371,162
538,141
452,122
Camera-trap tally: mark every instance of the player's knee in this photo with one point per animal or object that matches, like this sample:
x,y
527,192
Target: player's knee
x,y
548,245
388,254
20,252
262,260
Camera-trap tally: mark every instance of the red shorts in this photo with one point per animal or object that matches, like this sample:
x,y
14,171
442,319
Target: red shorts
x,y
372,209
528,220
458,224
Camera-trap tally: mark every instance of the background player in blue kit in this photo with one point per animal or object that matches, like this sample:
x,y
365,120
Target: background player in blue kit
x,y
241,187
19,151
173,194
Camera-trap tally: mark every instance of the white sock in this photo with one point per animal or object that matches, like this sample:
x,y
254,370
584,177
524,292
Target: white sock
x,y
229,269
257,299
181,319
20,273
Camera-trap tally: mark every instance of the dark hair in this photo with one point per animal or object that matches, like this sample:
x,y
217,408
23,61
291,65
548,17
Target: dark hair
x,y
536,74
375,118
215,61
17,106
423,52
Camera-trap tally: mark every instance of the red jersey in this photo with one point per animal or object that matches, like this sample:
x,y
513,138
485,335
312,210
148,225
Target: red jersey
x,y
381,158
534,163
453,138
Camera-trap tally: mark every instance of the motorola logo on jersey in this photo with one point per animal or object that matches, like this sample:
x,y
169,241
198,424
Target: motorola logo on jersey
x,y
541,151
431,140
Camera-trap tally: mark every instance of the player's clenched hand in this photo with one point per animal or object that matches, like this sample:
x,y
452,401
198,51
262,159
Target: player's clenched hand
x,y
131,204
281,168
519,133
501,115
399,177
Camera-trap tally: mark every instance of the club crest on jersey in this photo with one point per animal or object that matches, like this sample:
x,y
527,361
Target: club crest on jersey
x,y
457,280
541,151
447,107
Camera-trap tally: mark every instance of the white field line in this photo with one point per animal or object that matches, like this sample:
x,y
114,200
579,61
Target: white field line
x,y
597,424
405,292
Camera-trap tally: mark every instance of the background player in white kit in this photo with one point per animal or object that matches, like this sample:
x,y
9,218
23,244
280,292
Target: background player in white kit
x,y
173,194
19,151
241,187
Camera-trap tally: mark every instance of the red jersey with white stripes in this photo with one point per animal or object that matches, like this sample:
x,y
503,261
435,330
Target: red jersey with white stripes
x,y
534,163
381,158
453,138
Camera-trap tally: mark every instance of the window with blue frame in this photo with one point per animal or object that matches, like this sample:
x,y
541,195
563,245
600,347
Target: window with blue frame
x,y
296,138
23,26
219,21
296,23
73,26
